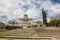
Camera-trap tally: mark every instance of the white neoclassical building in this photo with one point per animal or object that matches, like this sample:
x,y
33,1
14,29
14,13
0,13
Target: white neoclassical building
x,y
26,22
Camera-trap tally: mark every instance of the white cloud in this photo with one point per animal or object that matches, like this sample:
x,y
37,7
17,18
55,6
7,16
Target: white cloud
x,y
53,9
13,8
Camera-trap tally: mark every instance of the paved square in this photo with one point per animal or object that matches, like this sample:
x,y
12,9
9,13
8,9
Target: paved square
x,y
41,32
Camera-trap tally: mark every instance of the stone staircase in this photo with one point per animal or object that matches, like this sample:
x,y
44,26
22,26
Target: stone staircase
x,y
27,34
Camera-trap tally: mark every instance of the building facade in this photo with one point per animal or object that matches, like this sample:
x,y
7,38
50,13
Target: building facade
x,y
26,22
51,18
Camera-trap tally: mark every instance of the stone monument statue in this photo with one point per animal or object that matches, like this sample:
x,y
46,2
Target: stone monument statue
x,y
44,17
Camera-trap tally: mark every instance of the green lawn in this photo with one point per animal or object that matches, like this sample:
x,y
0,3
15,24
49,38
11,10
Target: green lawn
x,y
3,32
15,31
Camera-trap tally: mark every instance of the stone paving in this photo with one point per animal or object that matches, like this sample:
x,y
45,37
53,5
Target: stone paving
x,y
55,31
41,32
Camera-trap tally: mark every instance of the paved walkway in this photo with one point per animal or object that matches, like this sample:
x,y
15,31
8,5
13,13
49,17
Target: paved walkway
x,y
54,31
21,33
42,32
33,33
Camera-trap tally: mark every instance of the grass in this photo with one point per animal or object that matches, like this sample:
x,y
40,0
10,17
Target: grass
x,y
15,31
3,32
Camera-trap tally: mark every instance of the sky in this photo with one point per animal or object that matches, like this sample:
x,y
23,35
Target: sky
x,y
14,9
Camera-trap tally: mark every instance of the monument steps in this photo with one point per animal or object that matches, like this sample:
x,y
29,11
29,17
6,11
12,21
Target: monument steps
x,y
28,33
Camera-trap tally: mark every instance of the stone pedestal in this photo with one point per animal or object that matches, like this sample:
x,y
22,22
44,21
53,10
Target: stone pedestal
x,y
43,25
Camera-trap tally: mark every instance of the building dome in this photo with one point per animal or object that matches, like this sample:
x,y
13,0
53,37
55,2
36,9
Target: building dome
x,y
25,15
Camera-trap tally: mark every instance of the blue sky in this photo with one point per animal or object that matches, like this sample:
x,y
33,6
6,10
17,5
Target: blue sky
x,y
14,9
55,1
